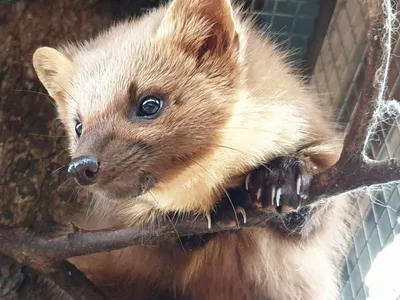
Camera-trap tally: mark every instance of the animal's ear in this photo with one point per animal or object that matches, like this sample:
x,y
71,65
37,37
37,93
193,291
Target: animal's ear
x,y
54,70
200,26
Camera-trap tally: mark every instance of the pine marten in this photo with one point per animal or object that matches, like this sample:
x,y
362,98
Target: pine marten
x,y
168,112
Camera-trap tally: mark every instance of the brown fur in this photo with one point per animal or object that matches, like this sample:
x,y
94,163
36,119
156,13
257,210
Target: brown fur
x,y
231,104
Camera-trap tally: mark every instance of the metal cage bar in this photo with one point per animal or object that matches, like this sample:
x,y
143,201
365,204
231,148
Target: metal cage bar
x,y
379,210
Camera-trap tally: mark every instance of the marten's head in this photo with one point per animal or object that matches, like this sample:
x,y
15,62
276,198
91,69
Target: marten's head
x,y
148,105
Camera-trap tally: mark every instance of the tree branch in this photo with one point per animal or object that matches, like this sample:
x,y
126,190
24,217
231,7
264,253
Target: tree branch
x,y
74,282
352,171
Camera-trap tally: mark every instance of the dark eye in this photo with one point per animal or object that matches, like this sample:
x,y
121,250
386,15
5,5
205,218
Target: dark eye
x,y
78,128
149,106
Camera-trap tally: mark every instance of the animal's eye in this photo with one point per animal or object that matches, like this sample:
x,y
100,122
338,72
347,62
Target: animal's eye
x,y
149,106
78,128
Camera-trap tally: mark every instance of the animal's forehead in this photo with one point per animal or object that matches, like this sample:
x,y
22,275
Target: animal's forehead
x,y
130,54
98,82
105,75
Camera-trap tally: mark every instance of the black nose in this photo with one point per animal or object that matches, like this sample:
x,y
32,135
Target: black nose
x,y
85,169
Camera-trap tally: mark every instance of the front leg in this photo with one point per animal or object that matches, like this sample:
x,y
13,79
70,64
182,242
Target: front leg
x,y
281,188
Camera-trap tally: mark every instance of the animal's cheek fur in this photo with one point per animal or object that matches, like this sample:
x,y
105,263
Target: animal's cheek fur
x,y
131,165
126,176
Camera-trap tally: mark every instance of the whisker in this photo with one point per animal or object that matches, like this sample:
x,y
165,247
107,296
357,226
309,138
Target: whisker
x,y
225,191
19,63
230,148
72,98
66,182
233,149
132,153
245,129
58,169
93,206
13,62
55,158
87,214
51,183
49,136
74,193
172,224
105,209
226,129
38,93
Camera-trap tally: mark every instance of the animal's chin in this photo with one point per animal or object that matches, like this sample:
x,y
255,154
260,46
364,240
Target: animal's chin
x,y
119,190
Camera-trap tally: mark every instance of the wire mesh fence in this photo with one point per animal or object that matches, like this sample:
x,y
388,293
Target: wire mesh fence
x,y
337,77
291,21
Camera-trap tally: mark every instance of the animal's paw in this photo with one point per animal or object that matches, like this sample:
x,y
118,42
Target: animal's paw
x,y
227,219
281,185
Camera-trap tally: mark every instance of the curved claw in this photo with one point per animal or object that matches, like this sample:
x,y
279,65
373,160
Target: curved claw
x,y
298,185
208,216
278,197
259,193
273,195
247,182
240,210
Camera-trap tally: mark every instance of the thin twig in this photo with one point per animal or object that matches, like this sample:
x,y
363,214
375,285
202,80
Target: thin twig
x,y
30,248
